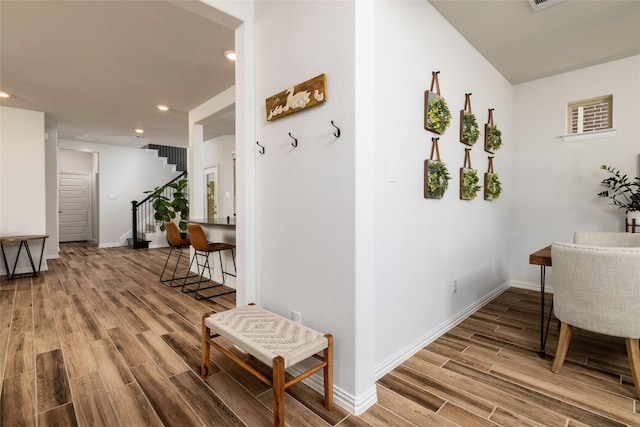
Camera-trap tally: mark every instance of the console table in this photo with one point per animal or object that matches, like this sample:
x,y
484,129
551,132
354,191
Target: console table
x,y
23,242
542,258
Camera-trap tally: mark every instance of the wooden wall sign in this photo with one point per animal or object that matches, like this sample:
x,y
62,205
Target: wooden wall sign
x,y
297,98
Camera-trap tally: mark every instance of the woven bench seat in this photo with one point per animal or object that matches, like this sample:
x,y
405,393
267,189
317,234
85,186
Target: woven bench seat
x,y
274,340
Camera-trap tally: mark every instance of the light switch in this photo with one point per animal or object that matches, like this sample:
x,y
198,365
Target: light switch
x,y
393,172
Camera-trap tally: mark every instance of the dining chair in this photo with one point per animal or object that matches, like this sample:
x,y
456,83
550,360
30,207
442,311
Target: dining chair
x,y
597,288
607,238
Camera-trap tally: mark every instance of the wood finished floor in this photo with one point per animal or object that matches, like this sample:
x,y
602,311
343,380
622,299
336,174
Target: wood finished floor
x,y
98,341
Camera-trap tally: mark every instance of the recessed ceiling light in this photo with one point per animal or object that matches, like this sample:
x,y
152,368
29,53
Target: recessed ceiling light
x,y
230,55
162,107
139,130
4,95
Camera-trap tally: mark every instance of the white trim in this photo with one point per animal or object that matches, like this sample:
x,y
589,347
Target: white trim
x,y
111,245
607,133
356,405
532,286
395,360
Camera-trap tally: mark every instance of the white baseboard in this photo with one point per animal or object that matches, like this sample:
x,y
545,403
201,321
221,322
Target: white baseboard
x,y
399,357
532,286
112,245
354,404
25,270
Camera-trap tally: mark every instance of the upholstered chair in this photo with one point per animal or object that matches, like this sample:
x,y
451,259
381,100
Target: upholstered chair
x,y
598,238
597,288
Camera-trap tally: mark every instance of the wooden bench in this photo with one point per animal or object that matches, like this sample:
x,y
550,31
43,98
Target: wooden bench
x,y
274,340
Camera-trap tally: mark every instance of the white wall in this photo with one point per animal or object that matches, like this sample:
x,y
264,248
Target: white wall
x,y
51,188
126,173
424,244
556,182
305,213
22,188
219,152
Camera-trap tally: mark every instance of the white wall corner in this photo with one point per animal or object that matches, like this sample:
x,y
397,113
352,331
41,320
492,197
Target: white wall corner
x,y
405,353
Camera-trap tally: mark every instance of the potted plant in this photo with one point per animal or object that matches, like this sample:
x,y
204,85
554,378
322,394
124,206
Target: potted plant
x,y
492,186
469,130
438,114
437,179
469,183
493,138
170,209
623,192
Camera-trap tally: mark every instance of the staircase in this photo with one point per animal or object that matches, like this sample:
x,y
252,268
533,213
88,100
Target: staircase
x,y
145,230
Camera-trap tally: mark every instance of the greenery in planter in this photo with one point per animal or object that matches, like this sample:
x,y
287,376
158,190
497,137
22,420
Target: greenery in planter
x,y
469,184
437,179
438,115
168,209
470,130
624,193
493,137
493,186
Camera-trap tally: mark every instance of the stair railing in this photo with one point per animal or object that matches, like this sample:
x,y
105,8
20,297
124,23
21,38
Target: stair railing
x,y
143,214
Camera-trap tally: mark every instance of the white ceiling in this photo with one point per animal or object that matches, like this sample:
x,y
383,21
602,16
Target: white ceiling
x,y
524,45
98,68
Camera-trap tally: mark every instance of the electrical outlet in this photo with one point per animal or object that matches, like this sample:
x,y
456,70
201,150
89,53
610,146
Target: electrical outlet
x,y
454,286
296,316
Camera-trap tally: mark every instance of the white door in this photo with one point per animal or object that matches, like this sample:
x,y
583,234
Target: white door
x,y
74,196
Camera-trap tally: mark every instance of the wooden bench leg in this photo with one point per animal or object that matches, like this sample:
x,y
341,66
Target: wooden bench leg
x,y
328,373
206,349
278,391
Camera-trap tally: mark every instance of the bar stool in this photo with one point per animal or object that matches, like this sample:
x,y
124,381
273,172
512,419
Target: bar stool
x,y
176,241
202,251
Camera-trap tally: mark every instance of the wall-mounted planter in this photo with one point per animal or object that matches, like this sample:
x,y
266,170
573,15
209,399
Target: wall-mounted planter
x,y
492,135
437,117
436,179
468,179
492,184
469,130
436,174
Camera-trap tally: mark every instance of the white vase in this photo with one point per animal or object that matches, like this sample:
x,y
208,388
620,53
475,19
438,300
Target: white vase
x,y
631,215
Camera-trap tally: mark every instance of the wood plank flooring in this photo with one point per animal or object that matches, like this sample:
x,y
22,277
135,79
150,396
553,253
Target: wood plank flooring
x,y
98,341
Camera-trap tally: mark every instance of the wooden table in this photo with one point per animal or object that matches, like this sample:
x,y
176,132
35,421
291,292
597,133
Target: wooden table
x,y
24,242
542,257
